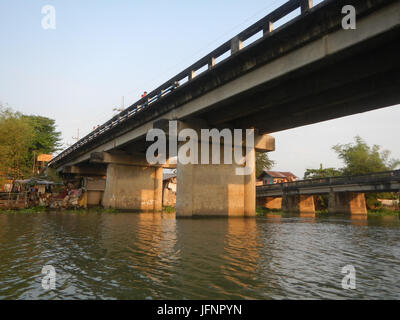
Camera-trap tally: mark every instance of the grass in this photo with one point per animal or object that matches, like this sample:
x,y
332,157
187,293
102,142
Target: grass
x,y
169,209
382,212
371,213
40,209
261,212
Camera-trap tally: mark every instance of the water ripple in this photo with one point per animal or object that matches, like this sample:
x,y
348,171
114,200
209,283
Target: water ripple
x,y
146,256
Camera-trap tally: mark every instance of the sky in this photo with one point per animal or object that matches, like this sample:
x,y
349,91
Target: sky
x,y
101,51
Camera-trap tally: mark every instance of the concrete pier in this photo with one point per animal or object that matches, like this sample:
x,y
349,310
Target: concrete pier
x,y
347,202
270,202
131,182
298,204
217,189
213,190
133,188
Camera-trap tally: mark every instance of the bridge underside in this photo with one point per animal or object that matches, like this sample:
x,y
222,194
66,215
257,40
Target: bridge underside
x,y
131,183
339,202
303,74
346,198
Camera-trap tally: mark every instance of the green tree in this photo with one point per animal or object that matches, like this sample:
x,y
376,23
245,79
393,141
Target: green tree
x,y
321,201
321,173
359,158
263,162
46,138
22,138
16,135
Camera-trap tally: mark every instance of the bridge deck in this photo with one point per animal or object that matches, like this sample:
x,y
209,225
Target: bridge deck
x,y
306,71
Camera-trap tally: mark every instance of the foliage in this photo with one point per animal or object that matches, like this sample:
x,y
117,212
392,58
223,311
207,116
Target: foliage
x,y
263,162
46,138
169,209
321,173
21,139
381,212
373,203
359,158
16,135
262,211
52,175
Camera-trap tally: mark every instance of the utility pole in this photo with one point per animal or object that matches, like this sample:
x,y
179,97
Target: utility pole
x,y
122,108
34,162
77,136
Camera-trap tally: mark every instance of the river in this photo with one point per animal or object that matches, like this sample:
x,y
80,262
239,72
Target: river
x,y
153,256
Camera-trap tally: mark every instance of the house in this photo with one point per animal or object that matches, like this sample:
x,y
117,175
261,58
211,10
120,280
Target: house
x,y
272,177
169,189
41,162
6,183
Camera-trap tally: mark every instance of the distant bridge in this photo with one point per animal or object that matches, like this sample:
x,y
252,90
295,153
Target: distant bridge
x,y
306,71
342,191
374,182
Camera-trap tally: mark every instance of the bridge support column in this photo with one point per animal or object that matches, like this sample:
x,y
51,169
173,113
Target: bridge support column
x,y
131,183
133,188
217,189
298,203
270,202
347,202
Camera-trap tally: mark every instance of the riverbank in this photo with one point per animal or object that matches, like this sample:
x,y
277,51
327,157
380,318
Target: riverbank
x,y
260,212
41,209
383,212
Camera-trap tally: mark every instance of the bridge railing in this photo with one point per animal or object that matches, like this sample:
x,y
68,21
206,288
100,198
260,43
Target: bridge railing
x,y
266,25
332,181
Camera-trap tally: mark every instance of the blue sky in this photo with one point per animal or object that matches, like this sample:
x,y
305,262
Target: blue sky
x,y
103,50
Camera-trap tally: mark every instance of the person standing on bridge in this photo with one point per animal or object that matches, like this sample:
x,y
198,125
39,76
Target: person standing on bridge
x,y
144,94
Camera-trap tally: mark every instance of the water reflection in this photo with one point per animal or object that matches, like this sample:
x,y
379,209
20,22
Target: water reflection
x,y
152,256
241,257
276,217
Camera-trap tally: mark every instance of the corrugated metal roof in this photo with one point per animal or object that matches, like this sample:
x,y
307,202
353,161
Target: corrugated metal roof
x,y
279,174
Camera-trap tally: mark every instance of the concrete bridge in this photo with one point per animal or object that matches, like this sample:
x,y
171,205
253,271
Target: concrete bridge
x,y
308,70
346,194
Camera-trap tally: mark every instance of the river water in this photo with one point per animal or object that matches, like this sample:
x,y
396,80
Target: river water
x,y
149,256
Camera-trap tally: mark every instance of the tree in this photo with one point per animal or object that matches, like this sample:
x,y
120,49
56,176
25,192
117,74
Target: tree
x,y
263,162
22,138
359,158
321,201
321,173
16,136
46,138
